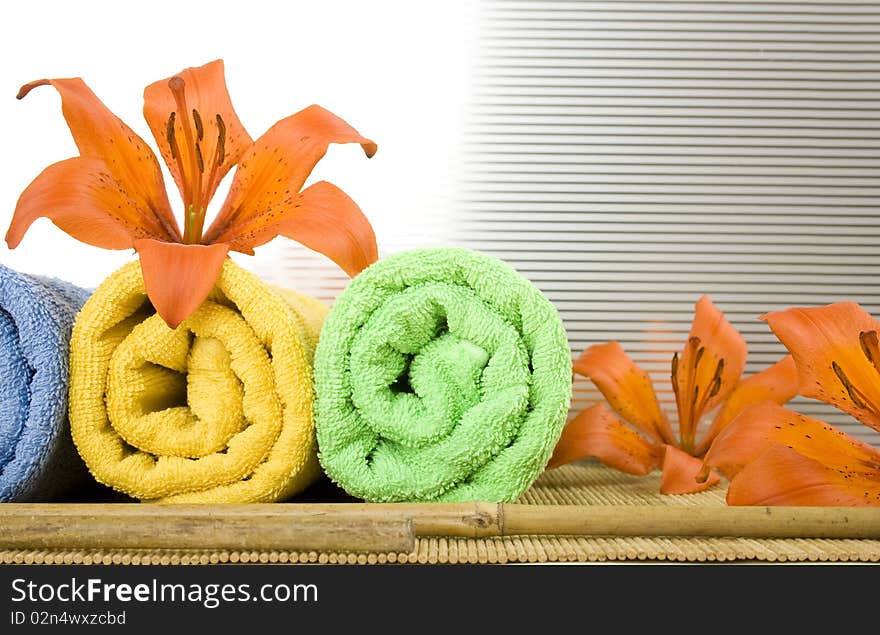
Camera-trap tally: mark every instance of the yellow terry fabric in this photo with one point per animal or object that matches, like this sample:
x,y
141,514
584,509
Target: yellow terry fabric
x,y
217,410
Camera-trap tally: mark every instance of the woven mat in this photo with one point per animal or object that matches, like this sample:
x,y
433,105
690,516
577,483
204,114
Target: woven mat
x,y
586,484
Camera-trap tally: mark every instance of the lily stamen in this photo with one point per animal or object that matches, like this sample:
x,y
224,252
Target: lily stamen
x,y
194,179
858,397
713,388
692,356
175,154
871,347
694,400
700,352
219,156
716,379
197,120
716,387
221,141
199,159
169,135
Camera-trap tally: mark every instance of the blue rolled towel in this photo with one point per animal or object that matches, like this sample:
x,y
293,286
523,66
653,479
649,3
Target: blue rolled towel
x,y
37,459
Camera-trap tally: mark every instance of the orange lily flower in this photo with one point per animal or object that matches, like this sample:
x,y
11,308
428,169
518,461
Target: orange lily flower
x,y
705,376
113,195
780,457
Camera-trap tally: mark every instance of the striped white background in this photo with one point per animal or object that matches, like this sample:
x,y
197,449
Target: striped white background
x,y
628,157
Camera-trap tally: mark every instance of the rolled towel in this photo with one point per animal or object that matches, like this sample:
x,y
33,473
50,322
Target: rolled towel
x,y
441,375
37,459
217,410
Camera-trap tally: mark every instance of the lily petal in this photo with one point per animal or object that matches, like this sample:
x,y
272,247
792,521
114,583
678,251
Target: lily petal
x,y
322,218
825,343
205,91
680,471
597,432
626,387
179,277
82,199
760,425
277,165
783,476
777,383
99,134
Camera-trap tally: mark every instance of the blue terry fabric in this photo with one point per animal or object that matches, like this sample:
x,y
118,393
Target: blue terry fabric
x,y
37,459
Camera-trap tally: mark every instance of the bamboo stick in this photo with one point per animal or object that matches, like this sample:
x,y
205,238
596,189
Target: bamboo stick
x,y
234,527
392,527
743,522
510,519
464,520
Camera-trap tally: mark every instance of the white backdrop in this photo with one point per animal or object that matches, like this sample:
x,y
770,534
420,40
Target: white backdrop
x,y
396,70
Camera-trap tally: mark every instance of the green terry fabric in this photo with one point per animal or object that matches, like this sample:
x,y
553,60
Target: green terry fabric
x,y
441,375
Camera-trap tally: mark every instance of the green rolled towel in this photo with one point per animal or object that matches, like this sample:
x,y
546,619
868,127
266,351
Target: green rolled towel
x,y
441,375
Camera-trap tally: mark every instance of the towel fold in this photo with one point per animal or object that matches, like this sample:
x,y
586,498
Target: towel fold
x,y
37,459
441,375
216,410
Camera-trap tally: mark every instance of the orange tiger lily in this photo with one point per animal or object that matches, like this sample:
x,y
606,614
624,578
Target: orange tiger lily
x,y
705,376
780,457
113,195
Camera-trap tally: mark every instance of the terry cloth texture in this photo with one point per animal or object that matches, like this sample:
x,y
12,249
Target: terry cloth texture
x,y
216,410
37,459
441,375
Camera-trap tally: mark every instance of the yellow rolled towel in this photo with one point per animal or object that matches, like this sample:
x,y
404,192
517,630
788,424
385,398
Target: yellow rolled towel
x,y
216,410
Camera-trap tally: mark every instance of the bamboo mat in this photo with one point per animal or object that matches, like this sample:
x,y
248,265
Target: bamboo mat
x,y
585,484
